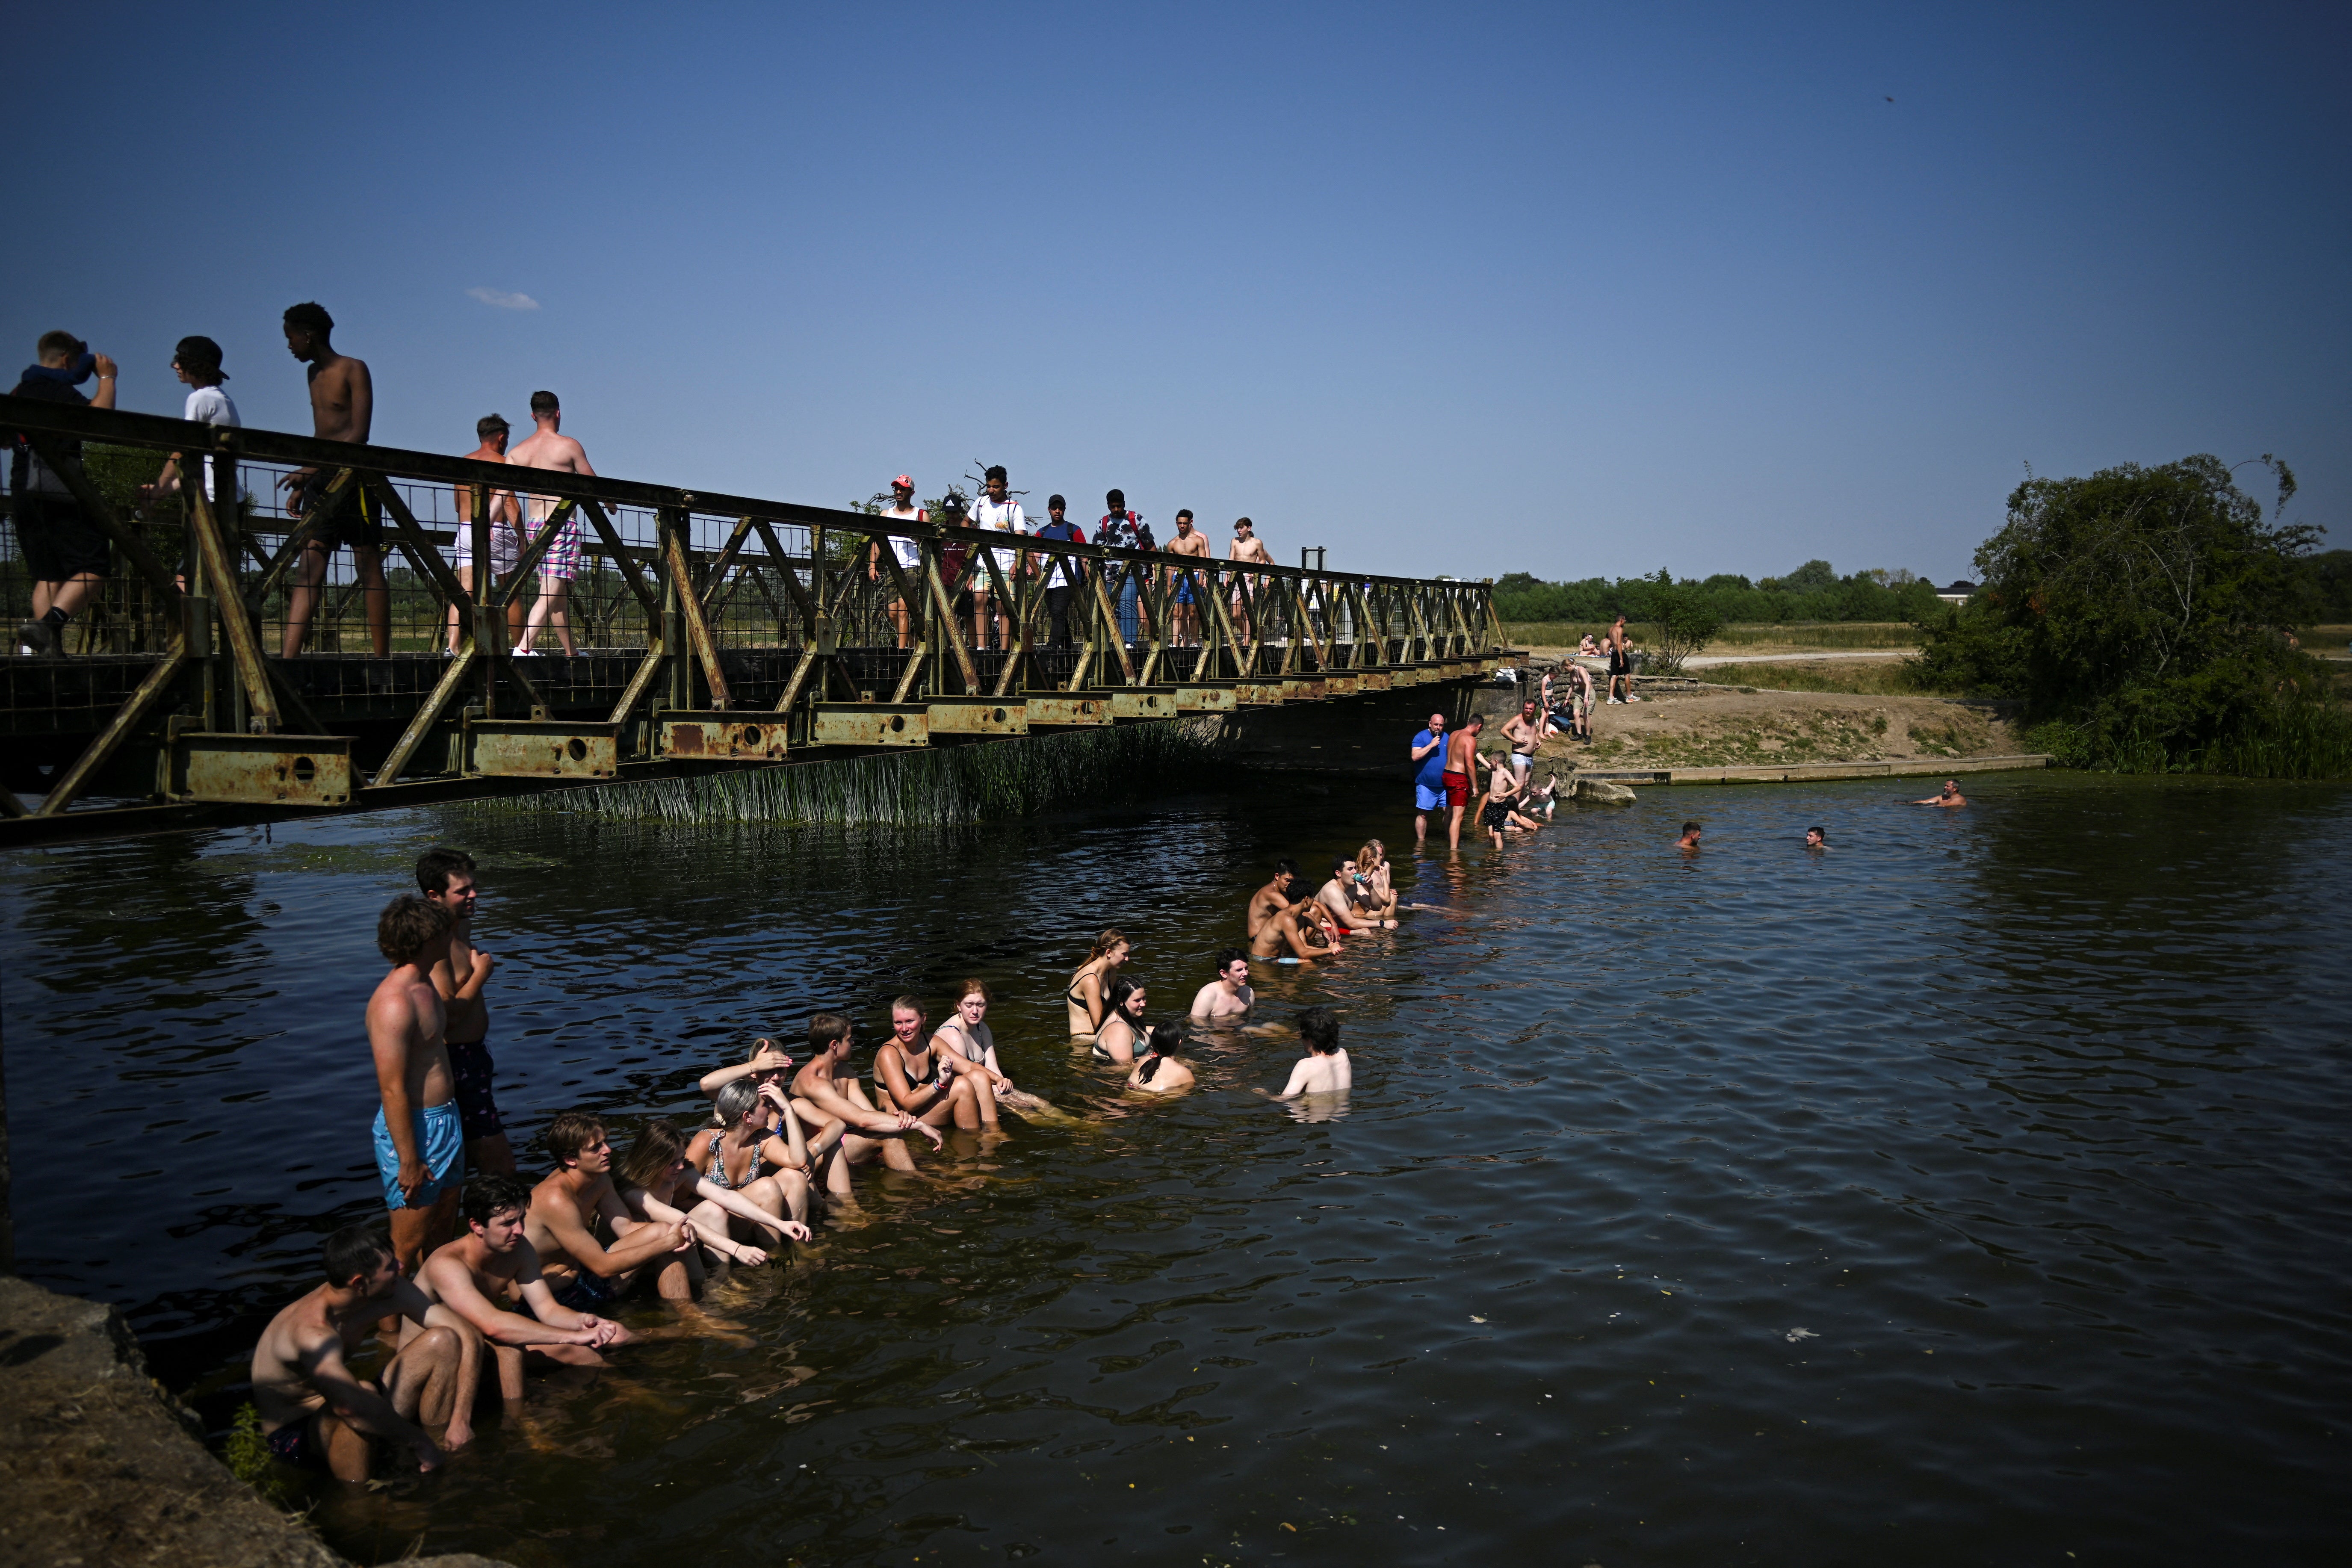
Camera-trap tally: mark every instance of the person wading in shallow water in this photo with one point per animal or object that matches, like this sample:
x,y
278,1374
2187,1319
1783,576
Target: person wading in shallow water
x,y
420,1150
1950,795
1461,764
491,1269
578,1196
826,1091
1089,986
316,1412
1229,995
447,878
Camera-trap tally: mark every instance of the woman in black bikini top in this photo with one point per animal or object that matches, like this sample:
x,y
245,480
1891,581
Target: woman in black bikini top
x,y
1122,1022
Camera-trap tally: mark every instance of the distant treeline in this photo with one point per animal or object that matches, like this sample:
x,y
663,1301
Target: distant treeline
x,y
1813,592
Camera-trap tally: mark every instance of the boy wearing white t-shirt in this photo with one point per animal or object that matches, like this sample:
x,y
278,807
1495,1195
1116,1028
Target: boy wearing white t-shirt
x,y
996,510
196,361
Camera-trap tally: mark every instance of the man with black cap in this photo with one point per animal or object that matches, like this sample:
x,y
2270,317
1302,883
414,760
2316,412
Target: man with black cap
x,y
65,554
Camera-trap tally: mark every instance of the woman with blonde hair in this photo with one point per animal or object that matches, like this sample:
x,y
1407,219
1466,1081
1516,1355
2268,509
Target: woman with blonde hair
x,y
1372,875
1090,985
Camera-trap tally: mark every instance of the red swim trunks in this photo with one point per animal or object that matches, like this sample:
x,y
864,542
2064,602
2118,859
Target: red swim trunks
x,y
1458,790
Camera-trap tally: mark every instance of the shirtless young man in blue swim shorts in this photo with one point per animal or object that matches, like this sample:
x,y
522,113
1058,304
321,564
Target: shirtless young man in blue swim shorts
x,y
419,1144
446,876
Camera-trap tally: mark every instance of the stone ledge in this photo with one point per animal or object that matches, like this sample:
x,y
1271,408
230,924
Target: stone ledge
x,y
101,1465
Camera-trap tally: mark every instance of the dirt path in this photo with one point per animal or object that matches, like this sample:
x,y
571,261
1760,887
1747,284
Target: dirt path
x,y
1722,726
1709,661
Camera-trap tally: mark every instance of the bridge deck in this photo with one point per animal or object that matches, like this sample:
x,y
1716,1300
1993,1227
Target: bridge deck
x,y
727,632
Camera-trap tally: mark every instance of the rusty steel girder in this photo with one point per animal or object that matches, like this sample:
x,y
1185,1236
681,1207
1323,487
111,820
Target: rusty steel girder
x,y
261,770
1144,702
1207,696
721,737
1064,711
542,749
870,725
978,716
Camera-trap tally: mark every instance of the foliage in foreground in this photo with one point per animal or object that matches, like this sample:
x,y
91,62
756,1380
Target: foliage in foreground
x,y
2140,619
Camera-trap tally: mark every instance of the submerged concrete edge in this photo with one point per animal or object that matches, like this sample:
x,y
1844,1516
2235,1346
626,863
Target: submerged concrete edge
x,y
1800,772
100,1464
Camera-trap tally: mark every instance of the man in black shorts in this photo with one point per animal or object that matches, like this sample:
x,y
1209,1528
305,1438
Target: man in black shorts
x,y
343,408
64,555
447,878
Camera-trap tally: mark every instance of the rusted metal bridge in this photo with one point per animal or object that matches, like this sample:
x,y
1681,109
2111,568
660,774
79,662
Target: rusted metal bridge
x,y
713,631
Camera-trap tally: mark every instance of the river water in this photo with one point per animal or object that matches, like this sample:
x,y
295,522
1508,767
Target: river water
x,y
1973,1193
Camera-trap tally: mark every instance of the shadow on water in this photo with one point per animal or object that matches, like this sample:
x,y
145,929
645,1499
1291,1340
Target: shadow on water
x,y
1970,1191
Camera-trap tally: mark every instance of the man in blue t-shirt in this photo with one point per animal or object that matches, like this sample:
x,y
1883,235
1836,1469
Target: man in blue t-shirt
x,y
1428,775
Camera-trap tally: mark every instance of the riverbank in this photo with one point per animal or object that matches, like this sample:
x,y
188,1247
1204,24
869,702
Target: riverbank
x,y
103,1467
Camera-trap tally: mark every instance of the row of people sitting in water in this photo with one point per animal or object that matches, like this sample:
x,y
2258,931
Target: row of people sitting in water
x,y
537,1267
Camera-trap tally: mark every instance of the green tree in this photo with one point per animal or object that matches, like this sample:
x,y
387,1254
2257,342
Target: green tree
x,y
1682,619
2140,617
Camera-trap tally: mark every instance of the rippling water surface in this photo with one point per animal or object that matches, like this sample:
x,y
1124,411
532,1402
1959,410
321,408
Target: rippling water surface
x,y
1975,1192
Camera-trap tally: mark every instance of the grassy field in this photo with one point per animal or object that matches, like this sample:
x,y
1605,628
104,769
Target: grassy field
x,y
1864,677
1762,637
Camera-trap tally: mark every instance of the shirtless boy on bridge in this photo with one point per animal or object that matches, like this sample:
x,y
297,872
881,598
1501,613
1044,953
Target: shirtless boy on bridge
x,y
824,1092
1247,547
343,408
550,449
493,1269
1191,590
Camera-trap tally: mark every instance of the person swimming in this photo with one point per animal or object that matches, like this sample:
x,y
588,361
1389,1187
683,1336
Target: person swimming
x,y
1086,995
1157,1070
1123,1031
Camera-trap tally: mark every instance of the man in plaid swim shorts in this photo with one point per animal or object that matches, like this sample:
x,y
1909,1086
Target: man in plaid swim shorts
x,y
549,448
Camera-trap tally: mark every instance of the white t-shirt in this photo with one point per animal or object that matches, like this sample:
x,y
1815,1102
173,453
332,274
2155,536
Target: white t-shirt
x,y
909,553
210,405
1004,516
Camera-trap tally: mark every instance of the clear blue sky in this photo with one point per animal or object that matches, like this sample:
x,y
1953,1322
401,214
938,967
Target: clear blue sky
x,y
1565,290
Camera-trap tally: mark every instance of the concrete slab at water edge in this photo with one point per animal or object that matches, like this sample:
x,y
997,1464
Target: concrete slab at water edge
x,y
101,1464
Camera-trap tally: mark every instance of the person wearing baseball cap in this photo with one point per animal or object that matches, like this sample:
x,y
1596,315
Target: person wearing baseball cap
x,y
902,507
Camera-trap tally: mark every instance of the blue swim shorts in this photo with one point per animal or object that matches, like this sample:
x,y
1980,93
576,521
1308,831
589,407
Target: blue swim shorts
x,y
443,1151
1184,589
1427,799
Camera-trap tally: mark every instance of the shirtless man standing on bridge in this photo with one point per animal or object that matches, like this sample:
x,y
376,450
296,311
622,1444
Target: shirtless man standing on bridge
x,y
1190,591
824,1092
343,408
1247,547
549,448
420,1143
1461,764
506,536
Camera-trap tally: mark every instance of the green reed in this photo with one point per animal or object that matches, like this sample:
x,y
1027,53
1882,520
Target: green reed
x,y
934,786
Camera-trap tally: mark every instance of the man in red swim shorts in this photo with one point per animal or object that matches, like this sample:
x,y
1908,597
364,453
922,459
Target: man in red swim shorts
x,y
1461,761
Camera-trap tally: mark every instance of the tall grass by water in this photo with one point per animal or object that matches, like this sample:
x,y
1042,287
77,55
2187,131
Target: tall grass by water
x,y
2302,740
934,786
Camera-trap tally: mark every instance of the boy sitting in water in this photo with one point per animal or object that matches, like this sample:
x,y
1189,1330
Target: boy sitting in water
x,y
1323,1069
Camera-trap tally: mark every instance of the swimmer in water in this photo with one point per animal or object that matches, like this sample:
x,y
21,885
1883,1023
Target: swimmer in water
x,y
1950,795
1325,1068
1816,839
1157,1070
1373,875
1296,933
916,1078
1089,986
1122,1030
1277,894
1690,840
825,1091
1229,995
